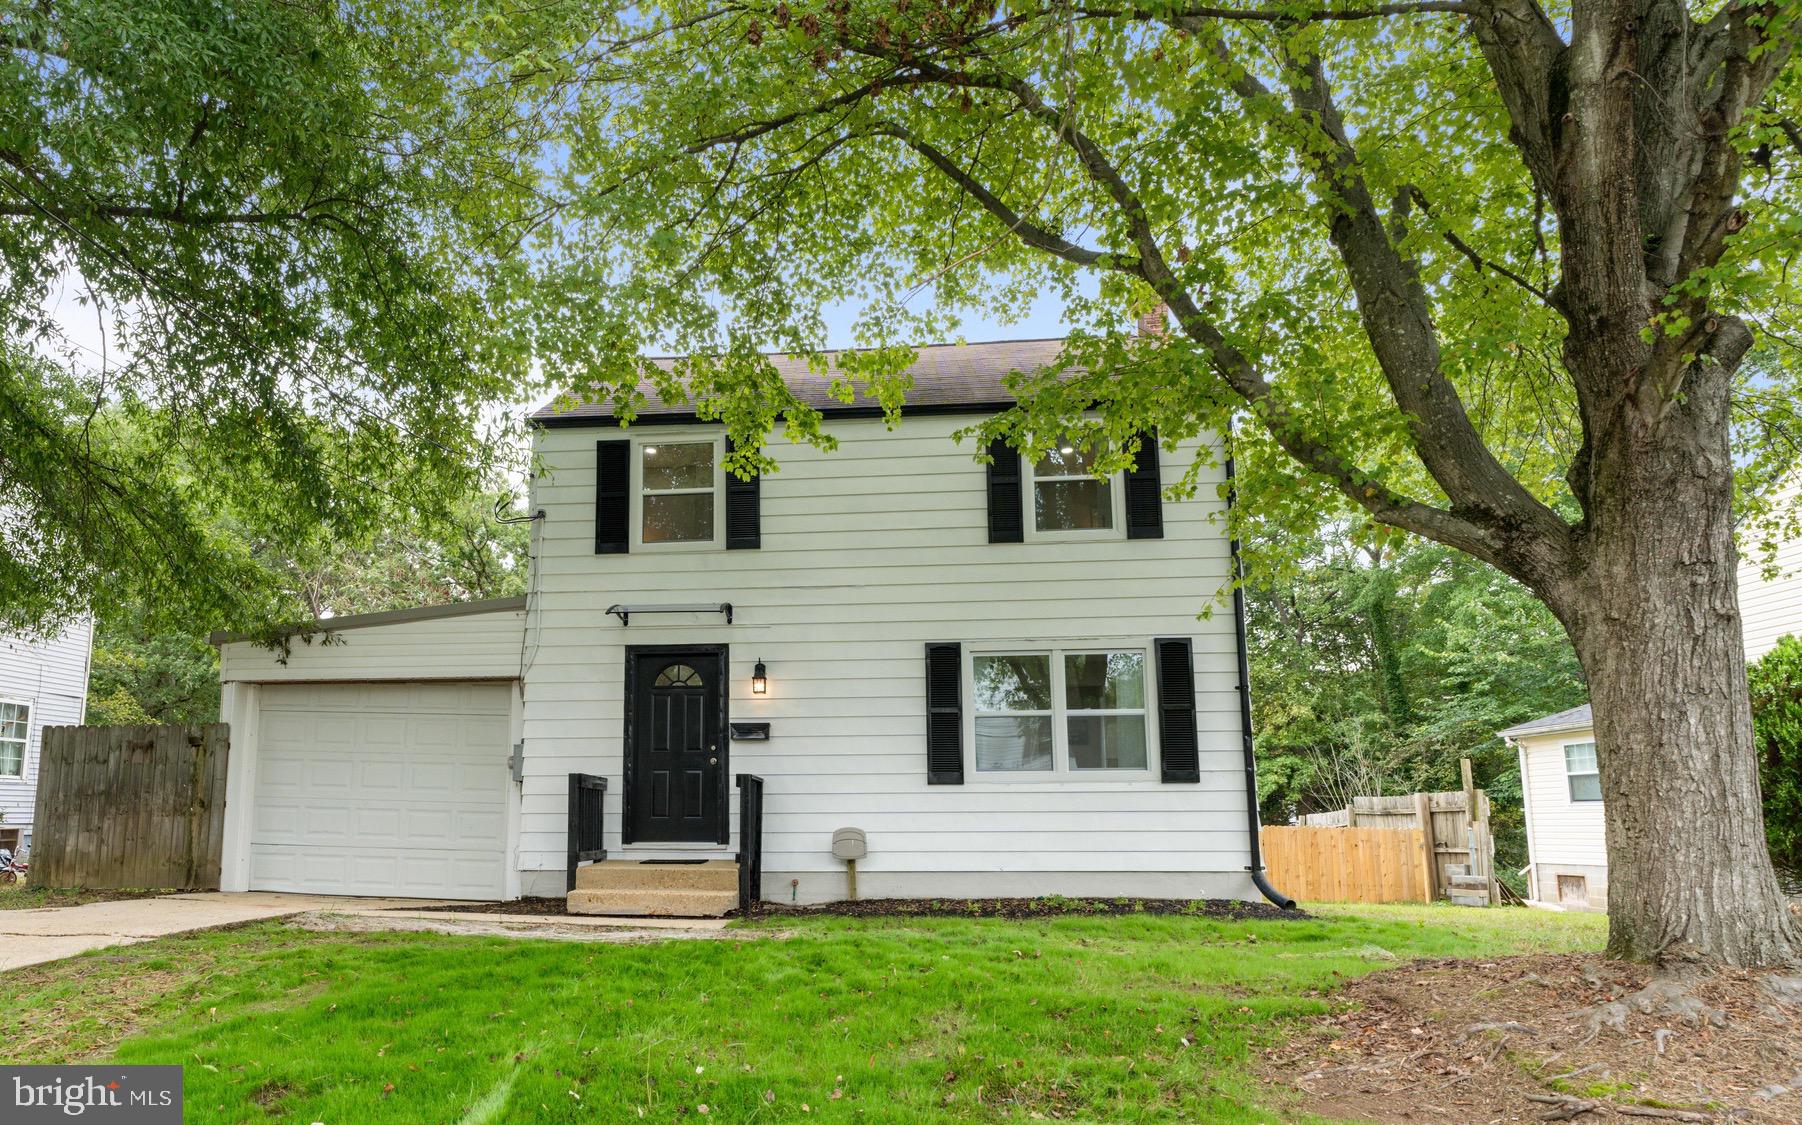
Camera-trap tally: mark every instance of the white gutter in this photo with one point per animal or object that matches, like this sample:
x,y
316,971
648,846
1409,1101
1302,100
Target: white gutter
x,y
1526,804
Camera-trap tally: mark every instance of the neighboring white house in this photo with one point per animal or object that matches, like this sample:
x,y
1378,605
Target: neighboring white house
x,y
1567,850
1001,673
43,683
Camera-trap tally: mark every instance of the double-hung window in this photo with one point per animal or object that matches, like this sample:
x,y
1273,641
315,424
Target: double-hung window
x,y
1060,711
1580,768
678,499
15,729
1067,496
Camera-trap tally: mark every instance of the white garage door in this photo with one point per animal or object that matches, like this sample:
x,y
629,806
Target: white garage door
x,y
382,789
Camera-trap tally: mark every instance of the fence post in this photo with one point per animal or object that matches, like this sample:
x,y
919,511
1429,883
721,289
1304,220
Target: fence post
x,y
1423,810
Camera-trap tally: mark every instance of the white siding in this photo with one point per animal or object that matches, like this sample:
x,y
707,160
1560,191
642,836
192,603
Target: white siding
x,y
52,677
470,646
1561,831
868,553
1771,608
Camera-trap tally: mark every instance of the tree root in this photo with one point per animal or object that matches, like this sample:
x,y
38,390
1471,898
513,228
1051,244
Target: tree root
x,y
1476,1029
1664,996
1655,1111
1778,1089
1574,1073
1564,1106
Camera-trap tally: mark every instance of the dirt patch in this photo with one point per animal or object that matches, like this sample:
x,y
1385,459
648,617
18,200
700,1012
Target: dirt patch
x,y
75,1024
1567,1037
1023,908
270,1095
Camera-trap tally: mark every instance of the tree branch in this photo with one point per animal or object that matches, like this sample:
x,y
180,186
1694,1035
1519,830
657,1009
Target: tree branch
x,y
1397,319
1030,233
1423,7
1477,260
161,215
1510,529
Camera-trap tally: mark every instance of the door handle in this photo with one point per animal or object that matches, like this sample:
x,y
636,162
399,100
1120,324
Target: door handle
x,y
713,761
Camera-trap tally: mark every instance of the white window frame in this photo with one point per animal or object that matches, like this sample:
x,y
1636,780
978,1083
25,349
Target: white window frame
x,y
1564,751
25,748
1116,490
1060,771
718,542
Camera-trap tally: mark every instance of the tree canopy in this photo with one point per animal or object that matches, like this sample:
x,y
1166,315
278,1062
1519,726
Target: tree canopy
x,y
293,226
733,170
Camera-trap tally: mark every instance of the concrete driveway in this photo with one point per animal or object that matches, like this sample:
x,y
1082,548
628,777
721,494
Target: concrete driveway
x,y
30,937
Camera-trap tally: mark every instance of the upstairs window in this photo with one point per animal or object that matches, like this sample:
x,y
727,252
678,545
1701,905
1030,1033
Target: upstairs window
x,y
1068,497
15,727
1580,768
1060,712
677,486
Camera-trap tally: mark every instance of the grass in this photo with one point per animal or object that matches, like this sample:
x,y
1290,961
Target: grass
x,y
1117,1019
28,896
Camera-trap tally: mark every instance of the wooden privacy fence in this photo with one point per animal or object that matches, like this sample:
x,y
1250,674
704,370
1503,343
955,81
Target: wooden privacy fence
x,y
140,806
1349,864
1463,848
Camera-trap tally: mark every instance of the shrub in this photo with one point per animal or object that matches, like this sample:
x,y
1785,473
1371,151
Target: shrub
x,y
1777,727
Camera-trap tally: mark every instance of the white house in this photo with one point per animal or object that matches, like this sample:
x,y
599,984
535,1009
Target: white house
x,y
43,683
1567,850
1001,673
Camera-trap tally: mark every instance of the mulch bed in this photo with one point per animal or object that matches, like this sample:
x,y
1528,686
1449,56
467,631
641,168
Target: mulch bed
x,y
1552,1038
553,906
1016,909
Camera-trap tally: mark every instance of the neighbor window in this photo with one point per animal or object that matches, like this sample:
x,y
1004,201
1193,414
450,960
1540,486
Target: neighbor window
x,y
1066,494
676,492
1580,767
15,726
1058,711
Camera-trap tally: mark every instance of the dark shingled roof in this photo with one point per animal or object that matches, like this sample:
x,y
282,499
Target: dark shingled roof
x,y
1574,719
947,378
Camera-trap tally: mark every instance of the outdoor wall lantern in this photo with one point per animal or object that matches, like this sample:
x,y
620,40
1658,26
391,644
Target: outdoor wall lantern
x,y
760,680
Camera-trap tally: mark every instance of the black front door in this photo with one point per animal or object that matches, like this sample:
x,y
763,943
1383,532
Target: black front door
x,y
675,744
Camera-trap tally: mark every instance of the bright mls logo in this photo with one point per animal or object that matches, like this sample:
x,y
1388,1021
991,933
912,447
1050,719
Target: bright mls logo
x,y
141,1095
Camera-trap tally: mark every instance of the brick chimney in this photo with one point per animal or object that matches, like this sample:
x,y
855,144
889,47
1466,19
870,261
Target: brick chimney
x,y
1155,320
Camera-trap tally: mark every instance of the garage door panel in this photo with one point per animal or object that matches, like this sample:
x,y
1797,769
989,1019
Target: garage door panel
x,y
389,789
466,874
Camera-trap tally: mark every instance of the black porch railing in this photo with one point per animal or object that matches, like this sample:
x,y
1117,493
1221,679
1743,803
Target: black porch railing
x,y
750,842
587,799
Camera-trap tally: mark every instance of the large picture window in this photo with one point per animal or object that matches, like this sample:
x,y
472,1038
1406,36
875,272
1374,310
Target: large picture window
x,y
1060,711
677,492
1580,768
1066,494
15,729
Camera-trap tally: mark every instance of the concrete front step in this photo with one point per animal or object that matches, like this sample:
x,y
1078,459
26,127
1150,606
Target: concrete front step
x,y
668,903
630,875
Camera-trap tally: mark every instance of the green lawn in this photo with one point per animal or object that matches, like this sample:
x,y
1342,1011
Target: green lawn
x,y
1115,1019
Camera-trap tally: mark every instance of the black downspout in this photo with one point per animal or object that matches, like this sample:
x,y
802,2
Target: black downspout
x,y
1251,762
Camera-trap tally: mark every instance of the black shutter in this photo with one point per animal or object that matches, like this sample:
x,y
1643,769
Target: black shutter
x,y
1145,492
944,714
743,502
1176,710
612,497
1005,515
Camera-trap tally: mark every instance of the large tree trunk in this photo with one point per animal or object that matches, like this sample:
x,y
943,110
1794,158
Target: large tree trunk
x,y
1658,630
